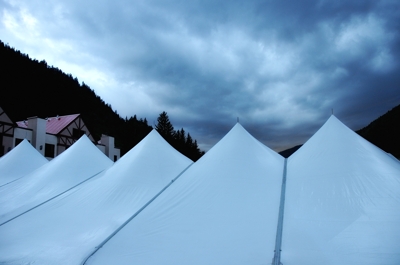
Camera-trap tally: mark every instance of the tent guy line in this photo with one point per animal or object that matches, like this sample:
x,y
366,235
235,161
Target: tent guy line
x,y
46,201
133,216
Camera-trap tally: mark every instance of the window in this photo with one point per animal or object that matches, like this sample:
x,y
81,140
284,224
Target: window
x,y
49,150
17,141
77,133
1,145
115,158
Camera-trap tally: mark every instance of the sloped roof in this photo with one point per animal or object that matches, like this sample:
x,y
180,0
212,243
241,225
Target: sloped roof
x,y
21,160
4,117
54,125
342,201
81,219
222,210
78,163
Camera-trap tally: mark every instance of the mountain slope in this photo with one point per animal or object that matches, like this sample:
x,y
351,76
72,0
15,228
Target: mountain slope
x,y
384,132
32,88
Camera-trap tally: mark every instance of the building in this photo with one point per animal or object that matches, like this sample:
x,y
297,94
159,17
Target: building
x,y
6,133
50,136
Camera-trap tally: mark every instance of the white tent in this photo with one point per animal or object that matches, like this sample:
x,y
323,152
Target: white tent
x,y
75,165
342,206
222,210
68,229
342,201
21,160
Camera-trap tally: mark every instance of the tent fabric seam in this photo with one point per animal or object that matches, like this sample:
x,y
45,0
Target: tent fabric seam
x,y
46,201
133,216
11,181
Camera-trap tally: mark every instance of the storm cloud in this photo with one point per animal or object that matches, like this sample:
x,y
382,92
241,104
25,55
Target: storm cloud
x,y
280,66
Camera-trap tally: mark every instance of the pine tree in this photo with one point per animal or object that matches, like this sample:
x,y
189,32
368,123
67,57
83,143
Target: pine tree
x,y
181,141
164,127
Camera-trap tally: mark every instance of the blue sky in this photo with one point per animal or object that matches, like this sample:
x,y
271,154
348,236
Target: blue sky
x,y
280,66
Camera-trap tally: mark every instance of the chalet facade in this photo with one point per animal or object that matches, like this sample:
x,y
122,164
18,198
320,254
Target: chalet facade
x,y
6,133
50,136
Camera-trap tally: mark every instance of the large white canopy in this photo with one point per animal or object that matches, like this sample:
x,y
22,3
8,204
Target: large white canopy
x,y
21,160
153,206
342,201
222,210
78,163
68,228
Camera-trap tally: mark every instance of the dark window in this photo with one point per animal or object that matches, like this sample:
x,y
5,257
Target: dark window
x,y
49,150
77,133
115,158
1,145
17,141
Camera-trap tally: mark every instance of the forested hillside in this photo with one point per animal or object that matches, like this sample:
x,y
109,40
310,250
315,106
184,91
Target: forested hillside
x,y
384,132
32,88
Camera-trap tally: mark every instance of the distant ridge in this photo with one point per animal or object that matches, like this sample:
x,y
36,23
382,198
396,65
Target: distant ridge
x,y
286,153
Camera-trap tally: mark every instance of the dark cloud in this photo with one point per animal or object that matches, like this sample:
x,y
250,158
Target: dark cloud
x,y
280,66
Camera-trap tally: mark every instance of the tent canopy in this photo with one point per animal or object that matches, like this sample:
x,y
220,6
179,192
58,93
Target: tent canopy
x,y
222,210
342,201
78,163
20,161
68,228
342,206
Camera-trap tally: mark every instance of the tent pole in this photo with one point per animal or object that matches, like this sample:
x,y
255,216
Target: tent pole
x,y
278,242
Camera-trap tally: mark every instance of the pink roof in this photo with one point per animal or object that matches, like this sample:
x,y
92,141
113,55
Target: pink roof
x,y
22,124
54,125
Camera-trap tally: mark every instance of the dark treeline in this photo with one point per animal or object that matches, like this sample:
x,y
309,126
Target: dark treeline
x,y
178,138
30,87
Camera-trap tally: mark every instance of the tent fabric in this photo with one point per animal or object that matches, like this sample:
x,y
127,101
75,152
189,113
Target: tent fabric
x,y
70,227
20,161
342,201
342,206
78,163
222,210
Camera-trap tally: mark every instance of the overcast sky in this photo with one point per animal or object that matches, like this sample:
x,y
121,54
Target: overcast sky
x,y
280,66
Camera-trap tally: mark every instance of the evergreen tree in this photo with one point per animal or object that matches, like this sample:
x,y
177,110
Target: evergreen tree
x,y
181,141
164,127
180,137
189,141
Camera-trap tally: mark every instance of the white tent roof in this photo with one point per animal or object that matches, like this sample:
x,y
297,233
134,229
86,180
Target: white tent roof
x,y
342,201
78,163
222,210
68,228
21,160
342,206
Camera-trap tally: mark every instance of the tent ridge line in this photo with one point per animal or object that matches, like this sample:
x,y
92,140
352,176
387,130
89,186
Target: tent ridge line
x,y
133,216
278,242
46,201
